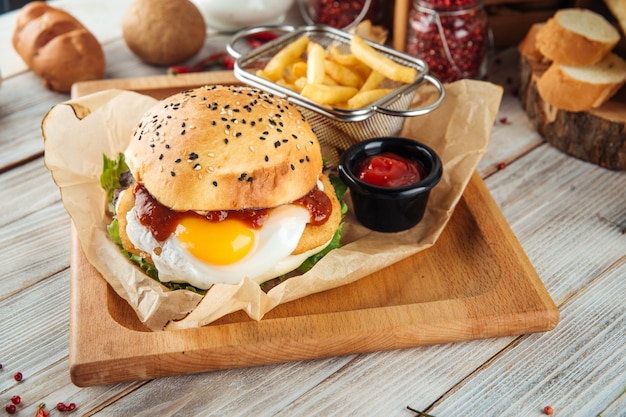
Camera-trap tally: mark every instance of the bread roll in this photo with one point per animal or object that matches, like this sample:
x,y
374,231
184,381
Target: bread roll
x,y
576,37
582,88
57,47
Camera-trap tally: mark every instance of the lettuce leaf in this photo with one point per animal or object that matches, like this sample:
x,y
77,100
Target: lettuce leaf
x,y
112,170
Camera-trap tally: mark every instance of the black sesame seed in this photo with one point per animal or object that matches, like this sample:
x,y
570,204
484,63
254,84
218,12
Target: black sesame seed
x,y
182,132
226,141
178,160
213,123
160,157
276,144
167,146
267,158
172,173
238,134
193,156
196,166
249,179
293,168
182,124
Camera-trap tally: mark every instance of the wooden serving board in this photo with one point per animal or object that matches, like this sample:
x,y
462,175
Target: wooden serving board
x,y
475,282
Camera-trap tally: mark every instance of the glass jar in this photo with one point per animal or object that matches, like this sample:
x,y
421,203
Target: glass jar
x,y
340,14
451,36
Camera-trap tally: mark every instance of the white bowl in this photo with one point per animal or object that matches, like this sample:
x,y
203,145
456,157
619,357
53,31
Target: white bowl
x,y
233,15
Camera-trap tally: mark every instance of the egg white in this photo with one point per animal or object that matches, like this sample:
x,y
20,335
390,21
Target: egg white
x,y
270,256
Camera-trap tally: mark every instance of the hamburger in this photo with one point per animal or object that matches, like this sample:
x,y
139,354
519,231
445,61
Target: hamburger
x,y
222,183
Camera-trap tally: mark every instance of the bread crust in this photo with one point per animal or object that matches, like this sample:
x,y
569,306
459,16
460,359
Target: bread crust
x,y
558,88
57,47
235,147
560,44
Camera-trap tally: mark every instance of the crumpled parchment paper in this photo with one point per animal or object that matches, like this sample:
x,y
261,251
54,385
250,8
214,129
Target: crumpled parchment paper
x,y
78,132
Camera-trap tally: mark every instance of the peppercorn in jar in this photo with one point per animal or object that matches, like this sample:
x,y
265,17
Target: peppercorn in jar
x,y
451,36
340,14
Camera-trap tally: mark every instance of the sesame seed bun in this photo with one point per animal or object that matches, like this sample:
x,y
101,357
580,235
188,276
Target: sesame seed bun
x,y
224,148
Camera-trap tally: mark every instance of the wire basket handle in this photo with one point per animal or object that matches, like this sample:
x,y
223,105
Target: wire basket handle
x,y
242,34
419,111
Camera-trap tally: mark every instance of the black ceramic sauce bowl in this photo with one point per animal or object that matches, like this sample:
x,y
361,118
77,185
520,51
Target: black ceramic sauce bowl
x,y
390,209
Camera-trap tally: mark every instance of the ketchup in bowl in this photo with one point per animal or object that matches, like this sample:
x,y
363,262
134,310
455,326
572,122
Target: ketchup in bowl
x,y
389,170
390,179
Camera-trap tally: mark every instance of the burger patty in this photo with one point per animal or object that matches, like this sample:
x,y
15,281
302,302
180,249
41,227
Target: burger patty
x,y
312,237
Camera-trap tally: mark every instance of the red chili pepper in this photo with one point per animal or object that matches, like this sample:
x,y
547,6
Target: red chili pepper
x,y
257,39
219,60
41,411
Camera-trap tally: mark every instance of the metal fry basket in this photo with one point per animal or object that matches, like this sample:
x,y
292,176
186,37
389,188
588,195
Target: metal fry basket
x,y
337,128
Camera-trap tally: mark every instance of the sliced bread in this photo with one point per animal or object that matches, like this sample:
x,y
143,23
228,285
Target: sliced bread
x,y
576,37
618,8
580,88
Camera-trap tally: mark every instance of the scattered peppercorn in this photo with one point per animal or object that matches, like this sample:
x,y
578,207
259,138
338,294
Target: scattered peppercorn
x,y
501,165
16,399
10,408
548,410
18,376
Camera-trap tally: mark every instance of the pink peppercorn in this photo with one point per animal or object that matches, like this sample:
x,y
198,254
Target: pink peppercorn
x,y
450,36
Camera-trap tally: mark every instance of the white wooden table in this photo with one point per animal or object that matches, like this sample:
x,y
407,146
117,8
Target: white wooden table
x,y
569,216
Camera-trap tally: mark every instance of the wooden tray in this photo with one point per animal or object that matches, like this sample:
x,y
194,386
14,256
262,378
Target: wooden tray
x,y
475,282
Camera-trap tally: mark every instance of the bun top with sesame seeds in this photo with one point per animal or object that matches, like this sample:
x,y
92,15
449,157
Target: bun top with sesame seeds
x,y
224,148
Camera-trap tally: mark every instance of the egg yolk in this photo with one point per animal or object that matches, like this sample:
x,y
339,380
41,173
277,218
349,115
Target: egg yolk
x,y
218,243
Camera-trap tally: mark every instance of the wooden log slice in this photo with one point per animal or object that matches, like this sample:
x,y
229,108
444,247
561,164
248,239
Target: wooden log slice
x,y
597,136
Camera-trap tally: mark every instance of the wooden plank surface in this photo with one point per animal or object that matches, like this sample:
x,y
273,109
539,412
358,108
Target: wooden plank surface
x,y
489,290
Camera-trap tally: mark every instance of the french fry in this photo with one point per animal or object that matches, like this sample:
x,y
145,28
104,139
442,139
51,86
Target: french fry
x,y
326,94
365,98
300,83
336,55
373,81
329,81
315,63
374,59
283,82
286,56
343,75
299,69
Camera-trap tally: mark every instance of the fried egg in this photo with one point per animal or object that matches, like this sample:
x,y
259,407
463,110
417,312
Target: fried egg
x,y
203,253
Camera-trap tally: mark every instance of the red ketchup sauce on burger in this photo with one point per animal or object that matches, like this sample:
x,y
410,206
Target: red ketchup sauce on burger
x,y
389,170
162,221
